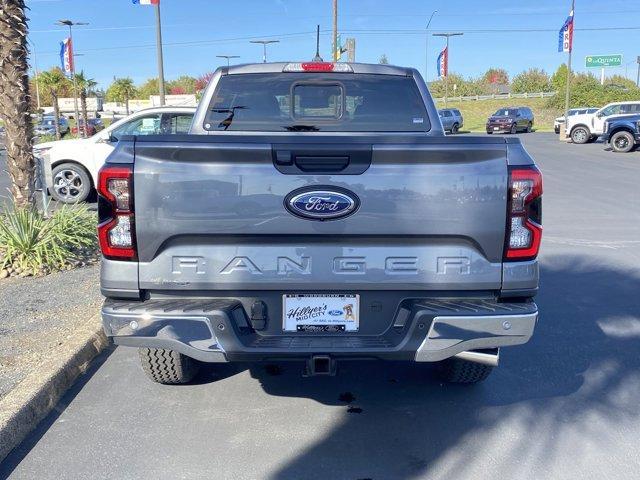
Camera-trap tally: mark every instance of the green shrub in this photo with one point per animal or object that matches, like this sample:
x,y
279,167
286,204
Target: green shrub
x,y
36,244
45,138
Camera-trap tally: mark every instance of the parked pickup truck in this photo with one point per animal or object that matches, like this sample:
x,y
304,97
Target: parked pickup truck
x,y
317,212
622,133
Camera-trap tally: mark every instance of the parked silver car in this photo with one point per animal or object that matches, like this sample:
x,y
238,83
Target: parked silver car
x,y
451,119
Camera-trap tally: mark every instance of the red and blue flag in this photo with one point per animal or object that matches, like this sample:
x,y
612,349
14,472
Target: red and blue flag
x,y
443,63
66,56
565,36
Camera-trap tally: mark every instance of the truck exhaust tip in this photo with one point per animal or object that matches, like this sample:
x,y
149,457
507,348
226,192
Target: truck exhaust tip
x,y
489,357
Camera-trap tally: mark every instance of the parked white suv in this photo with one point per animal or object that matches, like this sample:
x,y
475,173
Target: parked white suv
x,y
74,164
589,126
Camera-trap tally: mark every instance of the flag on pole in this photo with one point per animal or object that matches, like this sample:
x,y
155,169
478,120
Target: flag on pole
x,y
66,56
565,36
443,63
146,2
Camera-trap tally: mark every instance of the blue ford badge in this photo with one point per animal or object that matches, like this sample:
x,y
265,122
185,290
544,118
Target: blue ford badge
x,y
321,203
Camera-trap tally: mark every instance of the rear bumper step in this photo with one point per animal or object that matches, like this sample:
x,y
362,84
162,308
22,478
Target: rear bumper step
x,y
423,330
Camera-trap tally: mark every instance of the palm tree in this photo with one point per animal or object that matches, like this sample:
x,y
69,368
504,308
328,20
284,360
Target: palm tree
x,y
123,90
54,80
85,85
14,100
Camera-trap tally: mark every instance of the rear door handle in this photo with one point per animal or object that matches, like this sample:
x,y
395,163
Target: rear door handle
x,y
321,164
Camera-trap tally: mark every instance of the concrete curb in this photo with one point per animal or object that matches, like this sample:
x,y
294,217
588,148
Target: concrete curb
x,y
32,399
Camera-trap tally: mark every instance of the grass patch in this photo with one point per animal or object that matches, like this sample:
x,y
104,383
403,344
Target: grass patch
x,y
31,244
476,112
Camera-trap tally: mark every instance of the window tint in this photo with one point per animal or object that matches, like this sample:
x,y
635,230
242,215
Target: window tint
x,y
506,112
457,113
176,123
447,113
148,125
612,110
631,108
317,102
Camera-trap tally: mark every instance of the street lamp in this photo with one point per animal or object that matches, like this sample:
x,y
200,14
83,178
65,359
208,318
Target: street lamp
x,y
426,48
446,78
70,23
228,57
264,47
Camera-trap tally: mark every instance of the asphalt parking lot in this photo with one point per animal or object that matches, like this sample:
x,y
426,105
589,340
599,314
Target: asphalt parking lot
x,y
564,406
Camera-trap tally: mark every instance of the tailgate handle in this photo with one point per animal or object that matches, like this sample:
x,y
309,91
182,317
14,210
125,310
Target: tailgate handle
x,y
321,163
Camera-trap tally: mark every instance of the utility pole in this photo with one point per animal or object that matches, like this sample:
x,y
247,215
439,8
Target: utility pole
x,y
334,54
567,95
35,68
69,23
638,75
446,77
228,57
426,48
160,59
264,47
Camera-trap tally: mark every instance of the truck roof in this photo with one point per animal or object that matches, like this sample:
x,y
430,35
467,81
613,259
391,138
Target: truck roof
x,y
278,67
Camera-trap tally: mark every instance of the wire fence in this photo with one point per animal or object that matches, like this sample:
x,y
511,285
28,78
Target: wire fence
x,y
497,96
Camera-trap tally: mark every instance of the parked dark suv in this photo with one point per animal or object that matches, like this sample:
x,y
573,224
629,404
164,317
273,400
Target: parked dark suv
x,y
510,120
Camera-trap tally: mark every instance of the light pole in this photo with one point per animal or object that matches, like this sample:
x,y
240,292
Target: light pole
x,y
160,59
35,67
70,24
264,47
446,77
426,49
228,57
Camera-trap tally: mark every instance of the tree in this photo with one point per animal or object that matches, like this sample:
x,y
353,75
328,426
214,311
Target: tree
x,y
14,100
53,81
621,82
122,90
530,81
383,60
496,76
148,88
85,85
203,81
559,78
182,85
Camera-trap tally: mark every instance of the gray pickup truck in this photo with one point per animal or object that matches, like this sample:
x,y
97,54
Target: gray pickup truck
x,y
317,212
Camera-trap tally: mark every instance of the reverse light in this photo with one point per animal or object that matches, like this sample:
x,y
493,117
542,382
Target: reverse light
x,y
116,231
318,67
524,222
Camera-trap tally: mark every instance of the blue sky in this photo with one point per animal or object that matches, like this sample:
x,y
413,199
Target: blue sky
x,y
120,40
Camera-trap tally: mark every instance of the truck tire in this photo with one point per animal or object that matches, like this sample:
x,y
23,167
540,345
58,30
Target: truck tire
x,y
580,135
529,127
454,129
514,129
456,370
167,366
622,142
71,183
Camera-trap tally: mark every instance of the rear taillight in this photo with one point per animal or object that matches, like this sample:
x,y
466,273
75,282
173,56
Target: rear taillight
x,y
524,213
115,210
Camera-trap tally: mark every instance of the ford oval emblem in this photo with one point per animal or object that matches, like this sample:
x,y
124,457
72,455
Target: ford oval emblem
x,y
322,203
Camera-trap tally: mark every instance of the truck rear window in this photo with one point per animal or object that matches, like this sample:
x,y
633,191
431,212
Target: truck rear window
x,y
308,102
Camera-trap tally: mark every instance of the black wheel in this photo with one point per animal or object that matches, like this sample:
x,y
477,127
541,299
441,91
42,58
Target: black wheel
x,y
514,129
529,127
489,132
167,366
580,135
71,183
622,142
456,370
556,130
455,128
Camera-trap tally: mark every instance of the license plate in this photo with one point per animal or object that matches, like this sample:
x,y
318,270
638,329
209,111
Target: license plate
x,y
320,312
496,128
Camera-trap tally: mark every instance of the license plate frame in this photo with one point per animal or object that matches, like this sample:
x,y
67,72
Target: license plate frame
x,y
320,312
